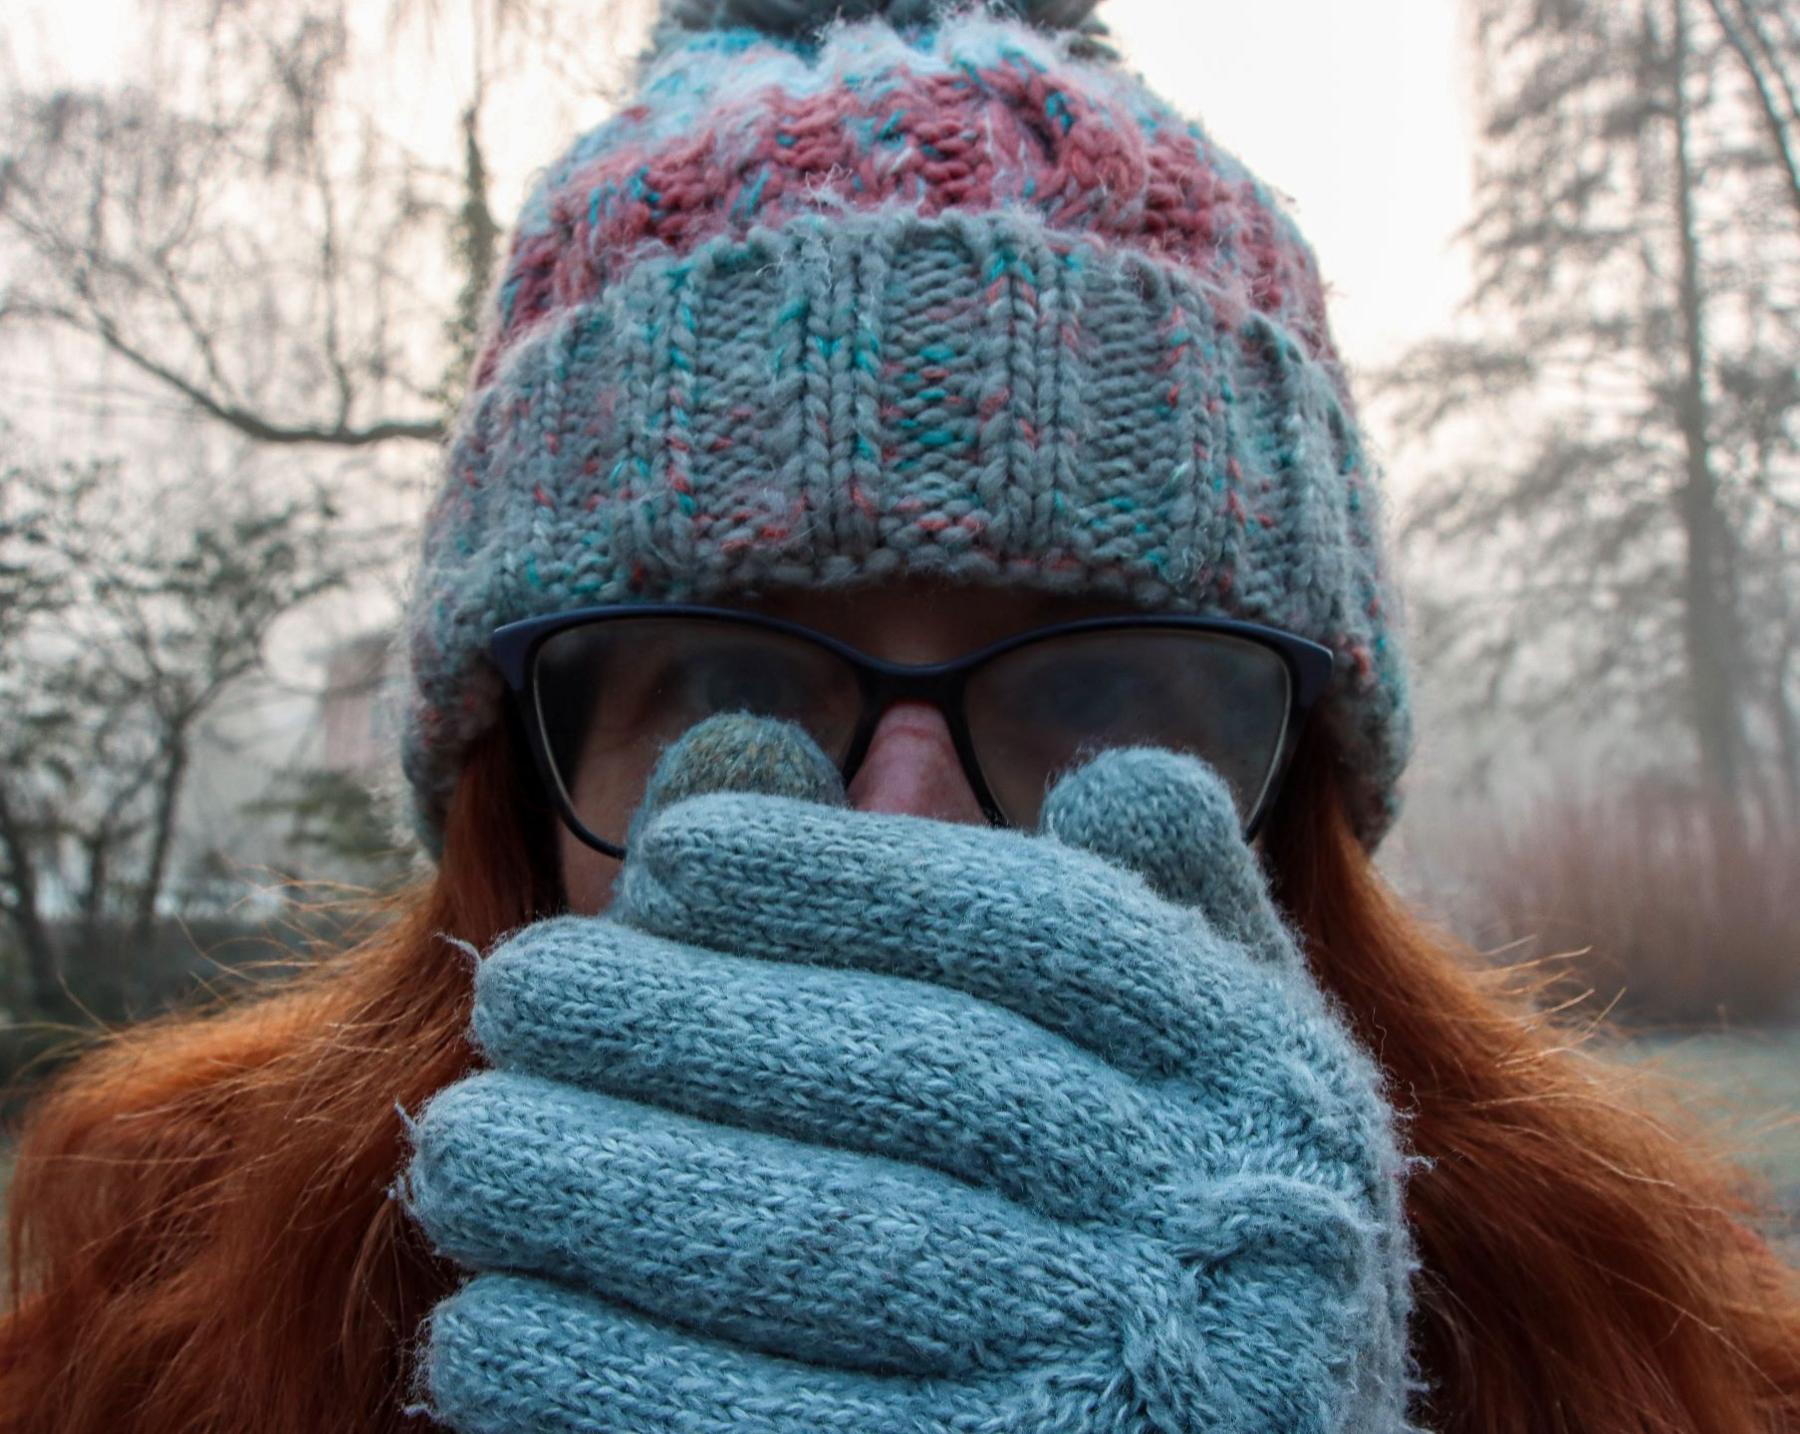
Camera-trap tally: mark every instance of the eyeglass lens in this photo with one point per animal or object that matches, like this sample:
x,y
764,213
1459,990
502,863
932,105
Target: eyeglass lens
x,y
1038,710
611,696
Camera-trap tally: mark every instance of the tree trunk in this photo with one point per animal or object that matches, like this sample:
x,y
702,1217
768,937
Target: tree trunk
x,y
1714,670
96,850
162,837
1787,727
478,237
43,985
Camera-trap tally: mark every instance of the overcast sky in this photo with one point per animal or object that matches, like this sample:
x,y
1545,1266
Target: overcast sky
x,y
1358,113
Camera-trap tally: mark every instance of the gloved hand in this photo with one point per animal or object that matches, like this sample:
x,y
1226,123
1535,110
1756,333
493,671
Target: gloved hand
x,y
843,1121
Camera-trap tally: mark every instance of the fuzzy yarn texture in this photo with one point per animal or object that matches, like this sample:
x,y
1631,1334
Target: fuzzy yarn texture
x,y
856,1122
739,752
915,292
799,17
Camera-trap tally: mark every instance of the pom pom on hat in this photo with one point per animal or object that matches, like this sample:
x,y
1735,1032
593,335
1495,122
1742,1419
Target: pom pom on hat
x,y
803,26
800,17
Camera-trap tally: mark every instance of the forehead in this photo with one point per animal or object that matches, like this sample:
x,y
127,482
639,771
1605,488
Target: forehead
x,y
905,617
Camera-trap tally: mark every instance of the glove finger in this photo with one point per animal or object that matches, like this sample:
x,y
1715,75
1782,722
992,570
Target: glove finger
x,y
1172,819
1049,931
513,1355
794,1249
844,1058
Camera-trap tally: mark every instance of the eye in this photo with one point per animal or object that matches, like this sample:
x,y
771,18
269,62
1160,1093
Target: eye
x,y
1089,693
755,686
734,681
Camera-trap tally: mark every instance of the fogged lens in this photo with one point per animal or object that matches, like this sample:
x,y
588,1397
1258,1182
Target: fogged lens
x,y
611,696
1037,711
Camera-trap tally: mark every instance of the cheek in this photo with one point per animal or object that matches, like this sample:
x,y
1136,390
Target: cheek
x,y
604,795
587,875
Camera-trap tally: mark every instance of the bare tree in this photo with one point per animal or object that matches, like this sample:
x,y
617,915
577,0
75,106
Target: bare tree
x,y
132,610
1763,36
238,259
251,235
1616,421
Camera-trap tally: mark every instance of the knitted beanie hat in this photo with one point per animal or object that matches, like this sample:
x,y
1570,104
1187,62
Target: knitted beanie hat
x,y
863,288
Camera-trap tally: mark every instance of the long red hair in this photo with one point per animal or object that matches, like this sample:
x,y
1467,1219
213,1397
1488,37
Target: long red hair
x,y
201,1235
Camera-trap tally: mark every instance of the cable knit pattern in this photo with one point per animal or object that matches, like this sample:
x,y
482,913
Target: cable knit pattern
x,y
960,298
846,1121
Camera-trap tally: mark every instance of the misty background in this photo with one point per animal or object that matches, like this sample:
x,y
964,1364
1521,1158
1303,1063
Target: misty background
x,y
243,245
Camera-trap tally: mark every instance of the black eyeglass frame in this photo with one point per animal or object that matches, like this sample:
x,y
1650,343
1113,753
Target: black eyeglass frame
x,y
514,648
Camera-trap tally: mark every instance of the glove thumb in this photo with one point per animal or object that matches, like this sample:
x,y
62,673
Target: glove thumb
x,y
1170,818
740,752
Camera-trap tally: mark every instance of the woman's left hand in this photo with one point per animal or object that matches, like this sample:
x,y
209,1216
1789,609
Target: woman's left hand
x,y
851,1122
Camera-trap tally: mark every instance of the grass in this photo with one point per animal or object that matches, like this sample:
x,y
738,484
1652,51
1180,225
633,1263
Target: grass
x,y
1751,1080
1747,1085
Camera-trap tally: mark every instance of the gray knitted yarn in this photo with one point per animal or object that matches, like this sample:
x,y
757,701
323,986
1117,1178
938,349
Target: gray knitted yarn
x,y
859,1122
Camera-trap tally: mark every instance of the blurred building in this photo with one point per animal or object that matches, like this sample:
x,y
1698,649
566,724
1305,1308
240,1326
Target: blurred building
x,y
353,727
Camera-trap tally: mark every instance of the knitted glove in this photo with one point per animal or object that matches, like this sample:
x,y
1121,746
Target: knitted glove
x,y
843,1121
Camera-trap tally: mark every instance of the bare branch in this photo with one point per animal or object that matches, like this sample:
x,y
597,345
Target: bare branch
x,y
245,421
1754,61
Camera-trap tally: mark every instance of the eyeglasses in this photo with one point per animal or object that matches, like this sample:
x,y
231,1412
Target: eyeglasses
x,y
602,691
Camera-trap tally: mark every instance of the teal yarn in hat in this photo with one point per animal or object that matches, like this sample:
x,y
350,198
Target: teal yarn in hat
x,y
858,290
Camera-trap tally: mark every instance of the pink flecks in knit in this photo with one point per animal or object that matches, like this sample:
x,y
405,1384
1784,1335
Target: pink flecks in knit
x,y
984,138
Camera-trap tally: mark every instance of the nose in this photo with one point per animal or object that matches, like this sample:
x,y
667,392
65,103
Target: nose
x,y
911,767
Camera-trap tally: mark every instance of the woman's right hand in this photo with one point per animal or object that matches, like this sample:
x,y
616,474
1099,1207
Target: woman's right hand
x,y
846,1121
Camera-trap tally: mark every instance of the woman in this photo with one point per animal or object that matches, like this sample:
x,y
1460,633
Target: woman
x,y
905,344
